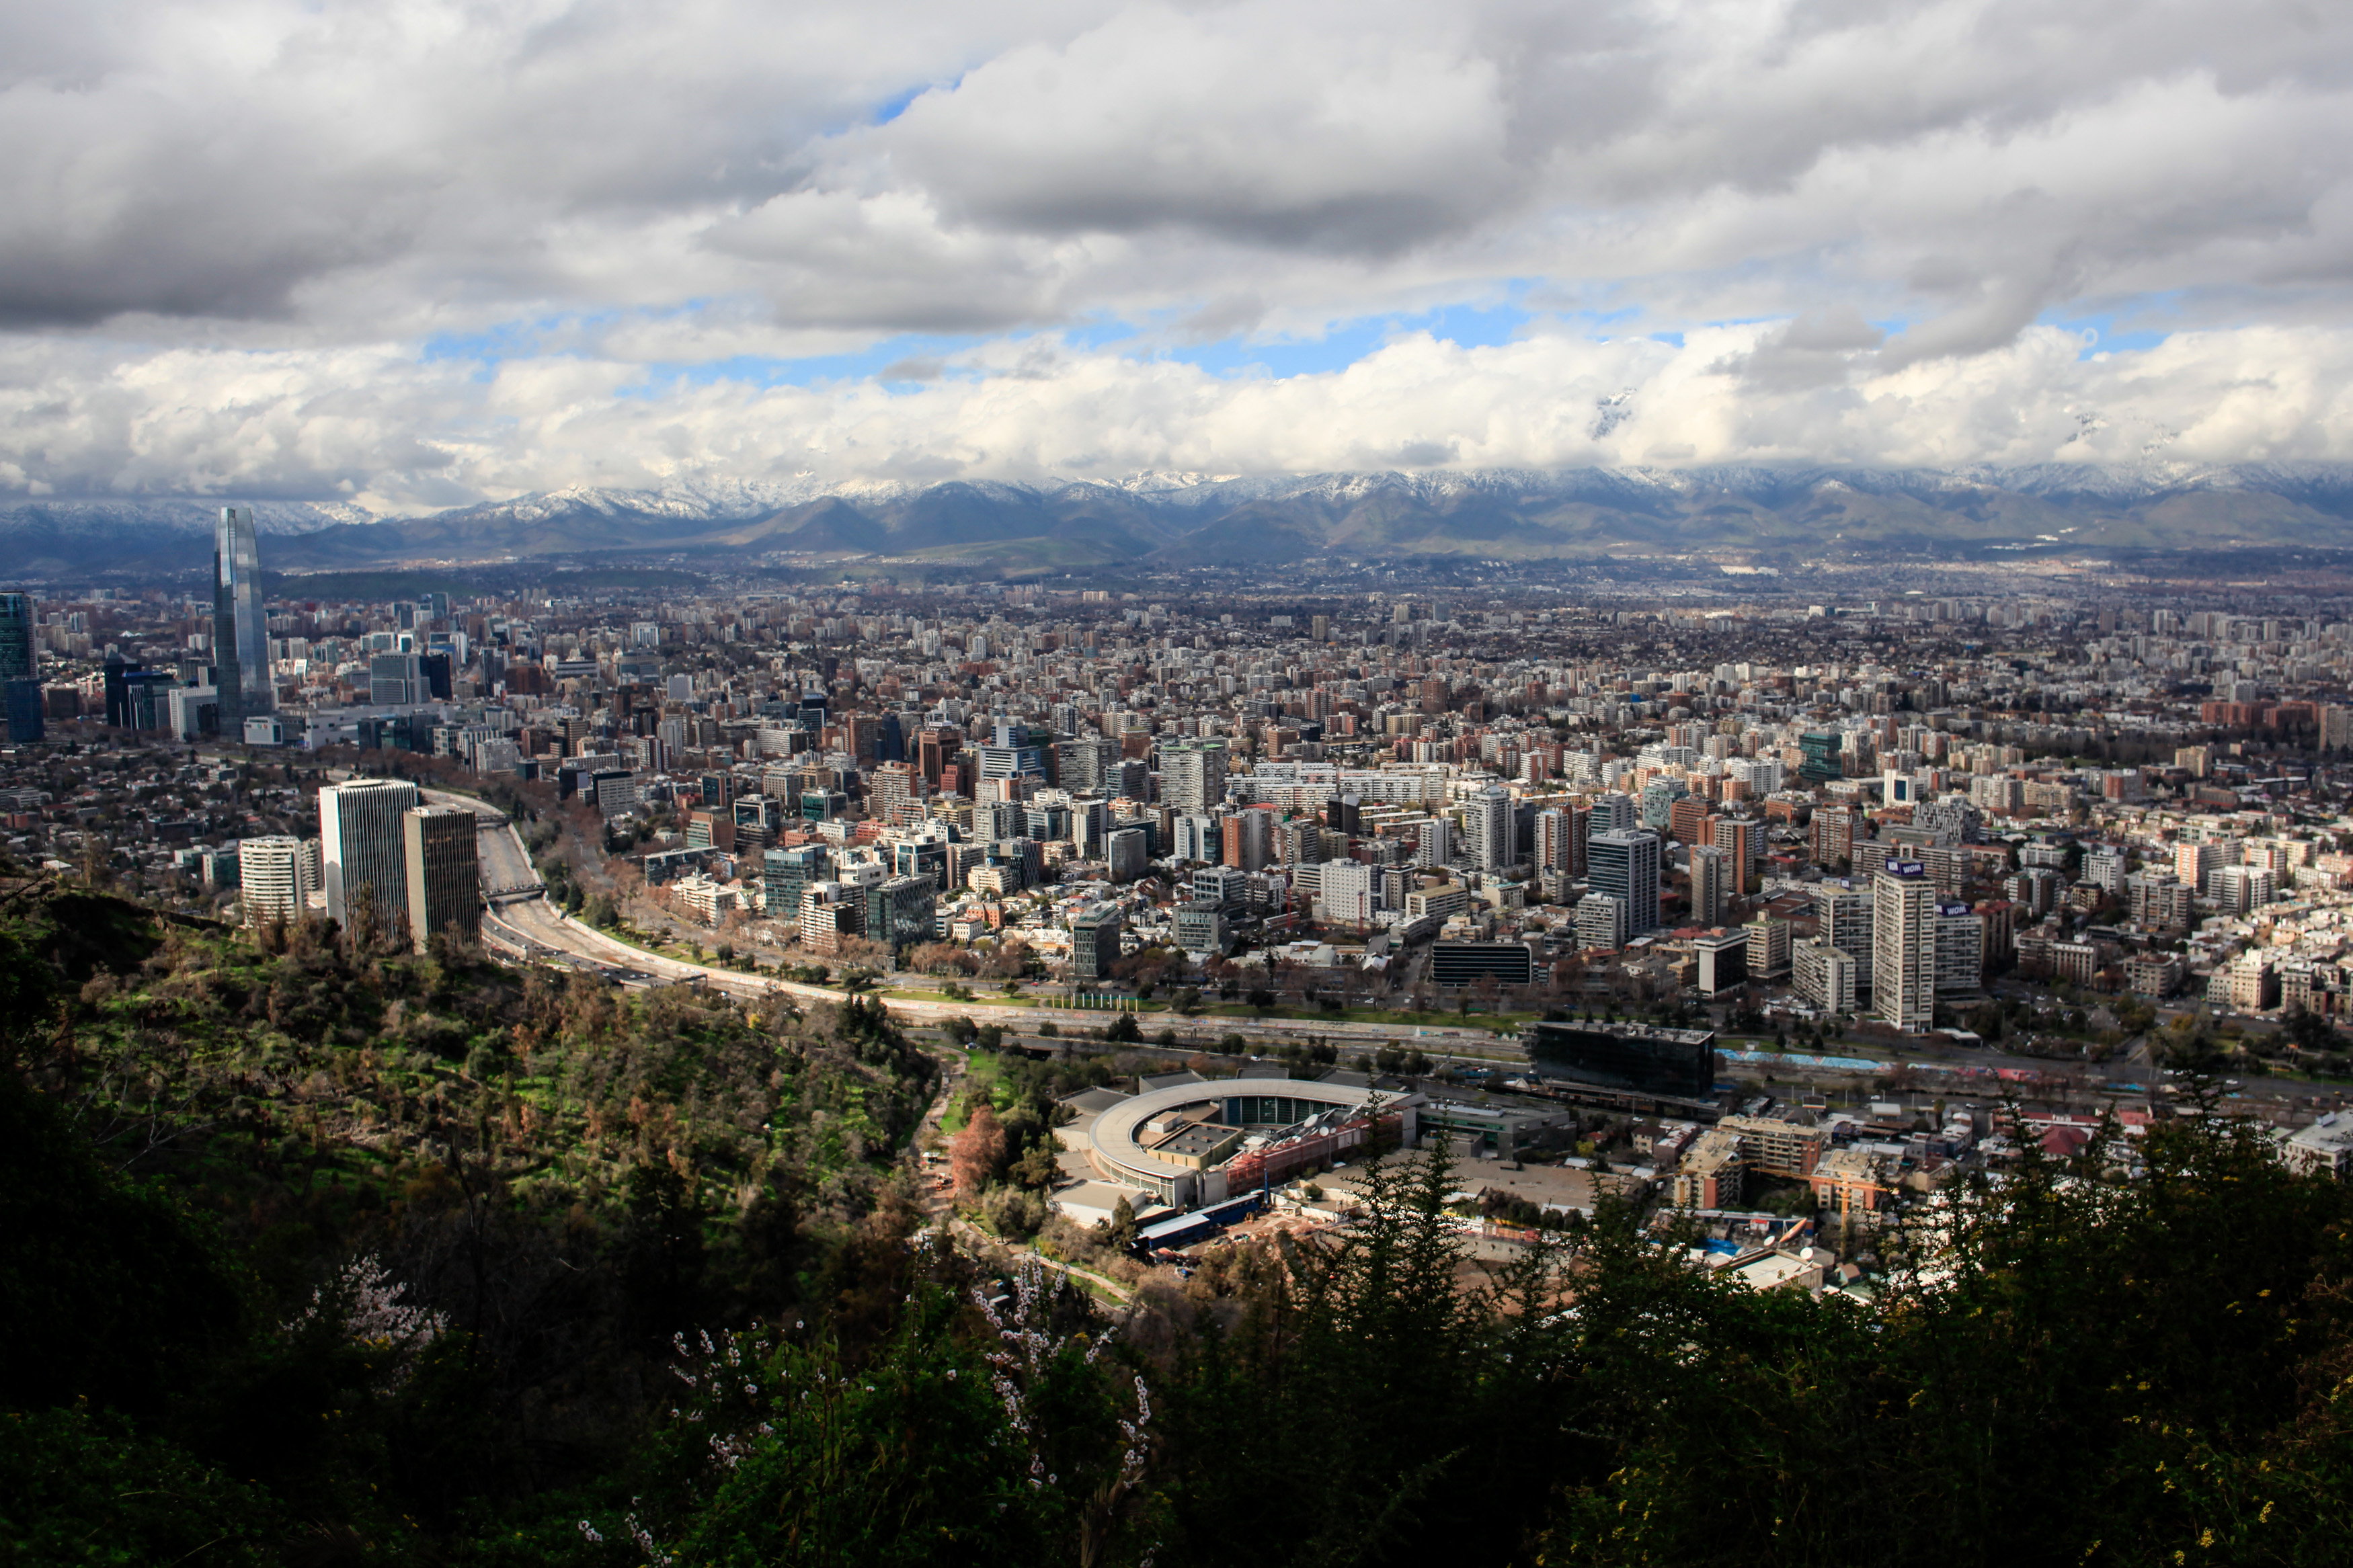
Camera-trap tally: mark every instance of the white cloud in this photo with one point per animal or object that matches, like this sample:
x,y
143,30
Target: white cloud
x,y
396,432
224,232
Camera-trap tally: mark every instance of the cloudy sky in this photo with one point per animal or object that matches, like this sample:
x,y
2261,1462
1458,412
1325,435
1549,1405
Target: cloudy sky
x,y
414,253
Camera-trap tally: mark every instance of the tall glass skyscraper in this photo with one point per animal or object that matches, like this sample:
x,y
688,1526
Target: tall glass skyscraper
x,y
17,638
19,669
240,634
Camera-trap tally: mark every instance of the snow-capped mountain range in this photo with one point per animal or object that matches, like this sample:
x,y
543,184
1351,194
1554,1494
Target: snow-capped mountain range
x,y
1176,516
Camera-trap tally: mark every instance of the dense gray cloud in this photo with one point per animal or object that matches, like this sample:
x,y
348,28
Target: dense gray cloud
x,y
270,195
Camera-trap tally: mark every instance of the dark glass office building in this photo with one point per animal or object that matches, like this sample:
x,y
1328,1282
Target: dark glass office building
x,y
1458,964
19,669
1639,1057
241,629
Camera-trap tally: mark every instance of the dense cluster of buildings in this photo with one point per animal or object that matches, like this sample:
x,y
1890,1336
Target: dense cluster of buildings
x,y
1499,796
1861,810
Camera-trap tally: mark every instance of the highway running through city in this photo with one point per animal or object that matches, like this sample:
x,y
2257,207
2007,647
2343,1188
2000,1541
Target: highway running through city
x,y
522,923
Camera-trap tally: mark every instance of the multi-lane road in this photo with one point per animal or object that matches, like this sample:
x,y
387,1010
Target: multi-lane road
x,y
522,923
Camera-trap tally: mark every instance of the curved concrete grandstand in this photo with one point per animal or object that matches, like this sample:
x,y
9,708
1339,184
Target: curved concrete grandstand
x,y
1200,1142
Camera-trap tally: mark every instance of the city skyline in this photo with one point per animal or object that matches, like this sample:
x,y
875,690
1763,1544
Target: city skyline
x,y
1137,783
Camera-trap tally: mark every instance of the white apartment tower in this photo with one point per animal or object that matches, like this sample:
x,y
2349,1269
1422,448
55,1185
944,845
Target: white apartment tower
x,y
1488,819
1193,776
1624,864
275,877
1600,921
1347,892
1846,924
1904,948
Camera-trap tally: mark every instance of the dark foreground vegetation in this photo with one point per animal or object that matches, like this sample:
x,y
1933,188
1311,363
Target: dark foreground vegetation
x,y
313,1255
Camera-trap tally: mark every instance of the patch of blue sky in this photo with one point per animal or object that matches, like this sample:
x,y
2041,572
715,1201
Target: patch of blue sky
x,y
2139,323
890,108
915,356
486,348
1336,350
900,361
1346,343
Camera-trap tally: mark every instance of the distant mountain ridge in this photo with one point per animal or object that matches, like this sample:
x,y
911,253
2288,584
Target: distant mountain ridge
x,y
1175,517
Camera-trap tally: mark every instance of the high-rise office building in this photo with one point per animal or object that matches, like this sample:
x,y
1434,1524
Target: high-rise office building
x,y
360,847
1624,864
1612,811
16,658
1019,753
1344,813
1193,775
1560,840
901,911
1711,885
1743,840
1487,820
275,877
136,697
395,680
935,751
1196,838
20,670
1722,960
28,719
444,873
1249,840
1094,943
1127,853
786,874
1087,764
1227,885
1903,947
1434,842
240,631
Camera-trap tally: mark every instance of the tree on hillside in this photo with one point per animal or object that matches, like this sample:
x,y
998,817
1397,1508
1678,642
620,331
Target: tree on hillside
x,y
978,1152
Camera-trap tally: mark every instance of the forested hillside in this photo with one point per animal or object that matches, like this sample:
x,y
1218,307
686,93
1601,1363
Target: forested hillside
x,y
315,1255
